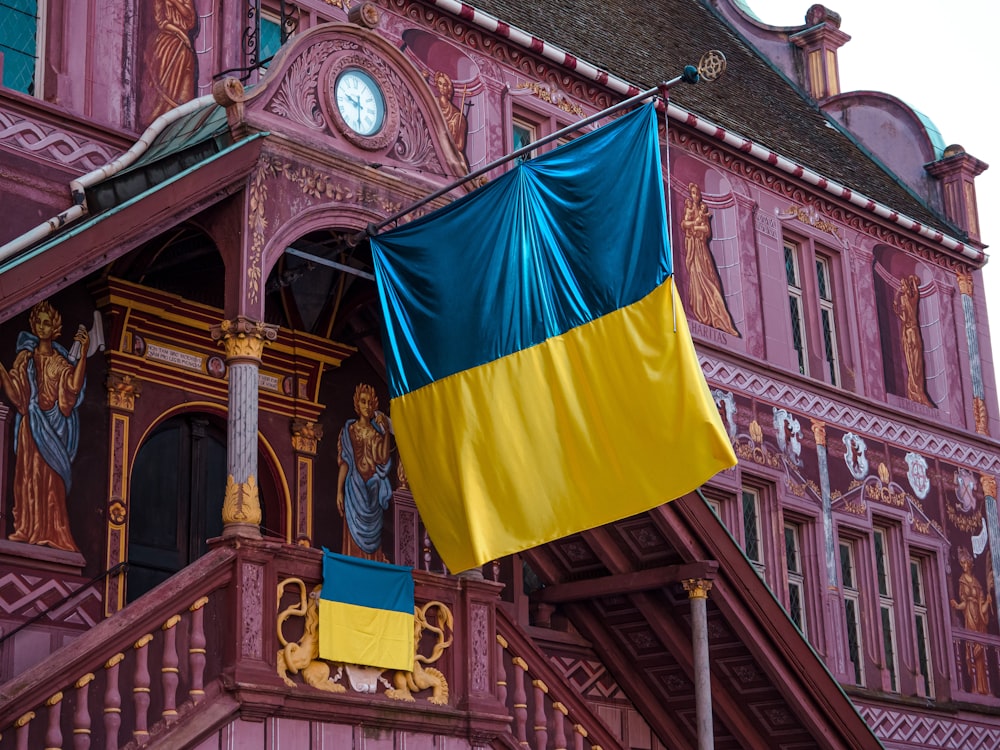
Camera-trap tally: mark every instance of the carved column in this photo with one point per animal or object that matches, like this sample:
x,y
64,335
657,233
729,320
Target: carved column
x,y
966,287
305,441
989,483
698,589
244,341
831,619
123,390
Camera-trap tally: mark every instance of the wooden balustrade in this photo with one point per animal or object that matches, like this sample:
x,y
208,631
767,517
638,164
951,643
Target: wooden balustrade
x,y
98,657
146,670
552,703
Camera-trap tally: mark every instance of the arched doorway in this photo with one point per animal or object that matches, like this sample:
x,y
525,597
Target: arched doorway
x,y
177,488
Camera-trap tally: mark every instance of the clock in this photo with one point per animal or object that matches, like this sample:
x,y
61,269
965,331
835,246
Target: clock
x,y
360,101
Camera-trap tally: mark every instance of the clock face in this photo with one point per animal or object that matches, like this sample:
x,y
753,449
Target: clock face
x,y
360,101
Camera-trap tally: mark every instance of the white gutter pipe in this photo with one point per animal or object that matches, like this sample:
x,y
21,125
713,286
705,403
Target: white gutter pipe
x,y
564,59
80,184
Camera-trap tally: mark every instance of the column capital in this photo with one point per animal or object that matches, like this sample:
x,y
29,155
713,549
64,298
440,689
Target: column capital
x,y
697,588
123,390
981,415
243,338
819,431
306,436
965,283
989,483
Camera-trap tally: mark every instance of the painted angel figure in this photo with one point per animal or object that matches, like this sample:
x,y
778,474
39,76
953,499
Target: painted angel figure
x,y
46,385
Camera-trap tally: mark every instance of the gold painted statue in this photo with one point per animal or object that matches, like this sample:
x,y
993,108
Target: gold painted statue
x,y
425,677
906,306
974,603
705,300
302,656
46,385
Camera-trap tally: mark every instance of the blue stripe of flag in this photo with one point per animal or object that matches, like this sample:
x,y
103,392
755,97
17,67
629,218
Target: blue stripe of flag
x,y
557,242
367,583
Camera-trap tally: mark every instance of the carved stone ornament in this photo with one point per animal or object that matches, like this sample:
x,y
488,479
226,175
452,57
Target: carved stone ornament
x,y
243,338
965,284
242,502
981,415
306,436
123,390
302,656
389,131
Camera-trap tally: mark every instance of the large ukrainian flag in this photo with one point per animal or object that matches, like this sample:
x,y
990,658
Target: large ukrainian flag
x,y
541,373
366,613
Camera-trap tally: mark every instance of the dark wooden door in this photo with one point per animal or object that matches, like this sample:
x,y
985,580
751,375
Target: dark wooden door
x,y
177,488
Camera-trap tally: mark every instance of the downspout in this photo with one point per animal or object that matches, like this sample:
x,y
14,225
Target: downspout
x,y
564,59
78,186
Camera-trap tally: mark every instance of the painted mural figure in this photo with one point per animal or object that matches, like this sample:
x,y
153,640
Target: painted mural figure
x,y
458,125
704,286
170,56
46,387
976,606
906,306
363,485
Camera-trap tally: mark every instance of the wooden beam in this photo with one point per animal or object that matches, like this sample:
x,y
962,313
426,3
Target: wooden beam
x,y
625,583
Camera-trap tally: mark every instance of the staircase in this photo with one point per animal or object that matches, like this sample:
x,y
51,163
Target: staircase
x,y
194,664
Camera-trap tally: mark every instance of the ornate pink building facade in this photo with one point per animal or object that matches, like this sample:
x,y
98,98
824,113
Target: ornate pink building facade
x,y
187,184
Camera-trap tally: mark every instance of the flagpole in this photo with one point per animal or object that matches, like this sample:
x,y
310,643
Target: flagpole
x,y
690,75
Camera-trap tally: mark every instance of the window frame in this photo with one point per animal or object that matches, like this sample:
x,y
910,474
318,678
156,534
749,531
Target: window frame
x,y
820,357
882,538
924,672
851,594
796,578
36,84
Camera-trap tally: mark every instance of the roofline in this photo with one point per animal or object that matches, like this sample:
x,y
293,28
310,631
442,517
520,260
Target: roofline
x,y
587,70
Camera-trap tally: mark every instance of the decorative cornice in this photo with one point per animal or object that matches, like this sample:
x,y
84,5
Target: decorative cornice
x,y
51,144
847,416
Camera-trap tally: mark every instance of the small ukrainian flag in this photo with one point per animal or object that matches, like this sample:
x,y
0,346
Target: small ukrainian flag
x,y
366,613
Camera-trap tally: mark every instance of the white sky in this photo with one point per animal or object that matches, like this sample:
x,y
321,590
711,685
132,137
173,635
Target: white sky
x,y
941,59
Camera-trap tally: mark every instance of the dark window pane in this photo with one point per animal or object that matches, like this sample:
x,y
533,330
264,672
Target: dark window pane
x,y
790,274
853,649
889,646
883,582
846,571
750,533
828,345
18,25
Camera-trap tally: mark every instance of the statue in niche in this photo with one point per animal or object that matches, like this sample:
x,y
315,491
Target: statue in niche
x,y
170,57
363,485
46,385
906,306
975,605
458,125
705,300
